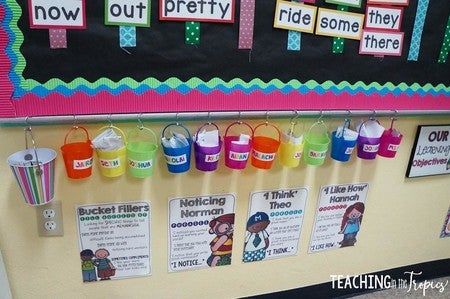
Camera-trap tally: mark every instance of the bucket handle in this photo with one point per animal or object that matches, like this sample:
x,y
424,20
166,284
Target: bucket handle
x,y
238,123
141,128
115,128
364,124
163,133
345,126
74,128
29,132
319,123
268,124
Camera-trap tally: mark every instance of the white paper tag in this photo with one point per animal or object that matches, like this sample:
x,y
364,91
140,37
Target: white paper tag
x,y
393,147
238,156
140,164
317,155
371,148
176,160
297,155
349,150
212,158
82,164
263,156
115,163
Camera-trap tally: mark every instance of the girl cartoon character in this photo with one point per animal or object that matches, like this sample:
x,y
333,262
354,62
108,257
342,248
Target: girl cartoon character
x,y
222,244
351,222
105,269
257,241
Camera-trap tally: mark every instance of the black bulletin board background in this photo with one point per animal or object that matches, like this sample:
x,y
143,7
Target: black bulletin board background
x,y
161,52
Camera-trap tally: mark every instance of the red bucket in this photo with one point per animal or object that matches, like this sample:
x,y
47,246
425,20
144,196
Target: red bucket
x,y
265,148
78,156
236,155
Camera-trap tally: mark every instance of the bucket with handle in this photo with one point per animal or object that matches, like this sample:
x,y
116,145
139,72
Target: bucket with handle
x,y
78,156
141,152
207,156
178,159
34,170
316,144
343,142
390,142
369,136
237,147
291,147
112,163
265,148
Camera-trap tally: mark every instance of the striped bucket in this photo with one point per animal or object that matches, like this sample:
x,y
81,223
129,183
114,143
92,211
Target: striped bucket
x,y
34,170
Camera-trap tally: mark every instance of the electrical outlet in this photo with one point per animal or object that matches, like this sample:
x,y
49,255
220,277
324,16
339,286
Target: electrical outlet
x,y
50,220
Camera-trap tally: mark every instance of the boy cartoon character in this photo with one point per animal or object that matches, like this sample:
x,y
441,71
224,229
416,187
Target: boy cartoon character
x,y
221,245
105,269
351,222
88,266
257,240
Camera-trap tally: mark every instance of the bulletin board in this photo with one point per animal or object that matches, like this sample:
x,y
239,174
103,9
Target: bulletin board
x,y
162,73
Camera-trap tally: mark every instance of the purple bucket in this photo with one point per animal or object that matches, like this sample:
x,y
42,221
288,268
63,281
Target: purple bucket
x,y
368,146
236,155
207,158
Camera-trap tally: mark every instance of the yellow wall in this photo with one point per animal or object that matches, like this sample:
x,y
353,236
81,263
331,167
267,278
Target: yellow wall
x,y
401,224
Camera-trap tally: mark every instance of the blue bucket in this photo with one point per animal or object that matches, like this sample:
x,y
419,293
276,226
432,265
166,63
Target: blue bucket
x,y
178,160
342,149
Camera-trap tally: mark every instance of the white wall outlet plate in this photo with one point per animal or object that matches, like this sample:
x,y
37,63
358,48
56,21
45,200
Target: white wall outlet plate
x,y
50,220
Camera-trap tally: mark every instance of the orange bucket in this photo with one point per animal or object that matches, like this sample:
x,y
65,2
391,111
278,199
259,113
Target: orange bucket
x,y
264,148
78,156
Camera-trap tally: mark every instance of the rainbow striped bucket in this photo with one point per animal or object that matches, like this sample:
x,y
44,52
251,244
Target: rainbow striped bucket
x,y
34,170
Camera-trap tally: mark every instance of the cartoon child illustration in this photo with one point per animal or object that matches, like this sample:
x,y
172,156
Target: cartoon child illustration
x,y
351,222
105,269
221,245
254,247
87,265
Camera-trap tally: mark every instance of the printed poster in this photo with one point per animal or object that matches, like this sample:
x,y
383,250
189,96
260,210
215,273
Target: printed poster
x,y
446,228
339,216
200,231
114,240
274,224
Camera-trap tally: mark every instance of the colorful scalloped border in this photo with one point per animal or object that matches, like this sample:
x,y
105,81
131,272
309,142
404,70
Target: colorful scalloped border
x,y
23,86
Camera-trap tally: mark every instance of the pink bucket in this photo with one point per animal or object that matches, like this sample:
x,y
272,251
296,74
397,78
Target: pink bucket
x,y
236,155
390,142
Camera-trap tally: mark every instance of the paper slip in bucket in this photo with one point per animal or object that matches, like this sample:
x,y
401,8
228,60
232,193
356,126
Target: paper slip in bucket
x,y
78,156
237,151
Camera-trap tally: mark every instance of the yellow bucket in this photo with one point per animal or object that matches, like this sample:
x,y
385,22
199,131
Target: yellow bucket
x,y
113,163
290,153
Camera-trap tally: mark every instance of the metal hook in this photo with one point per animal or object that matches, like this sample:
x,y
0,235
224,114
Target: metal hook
x,y
176,119
28,128
374,113
75,124
267,117
239,118
395,116
110,121
209,118
140,123
319,120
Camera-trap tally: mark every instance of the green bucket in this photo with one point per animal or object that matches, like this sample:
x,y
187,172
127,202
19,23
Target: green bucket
x,y
141,152
316,144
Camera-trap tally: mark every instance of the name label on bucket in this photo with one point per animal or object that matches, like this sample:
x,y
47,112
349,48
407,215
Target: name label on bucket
x,y
176,160
297,155
110,163
140,164
393,147
238,156
317,155
371,148
349,150
212,158
263,156
82,164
